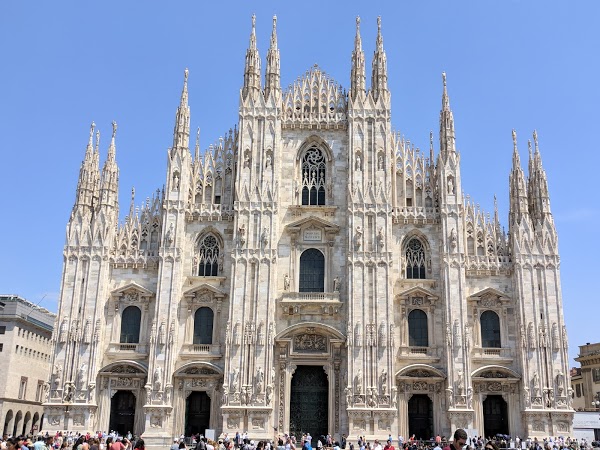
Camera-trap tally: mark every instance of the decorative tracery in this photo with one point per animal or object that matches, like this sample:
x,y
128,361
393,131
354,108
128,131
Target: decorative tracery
x,y
415,259
313,177
208,257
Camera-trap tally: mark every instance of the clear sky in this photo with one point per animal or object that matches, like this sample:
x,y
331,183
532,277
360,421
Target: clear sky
x,y
511,64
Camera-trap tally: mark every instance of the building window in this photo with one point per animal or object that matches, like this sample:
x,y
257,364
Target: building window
x,y
2,329
39,391
313,177
596,374
415,259
203,326
312,271
208,257
1,347
578,390
418,335
490,329
130,325
23,388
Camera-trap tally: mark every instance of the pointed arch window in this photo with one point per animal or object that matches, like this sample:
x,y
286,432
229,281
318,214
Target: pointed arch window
x,y
312,271
130,325
418,335
313,177
203,326
490,329
415,259
208,257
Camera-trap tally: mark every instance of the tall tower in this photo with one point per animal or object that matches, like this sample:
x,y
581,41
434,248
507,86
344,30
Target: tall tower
x,y
249,381
370,390
543,349
90,233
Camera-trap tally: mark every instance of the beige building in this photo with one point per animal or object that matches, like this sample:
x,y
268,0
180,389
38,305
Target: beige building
x,y
585,380
26,347
311,272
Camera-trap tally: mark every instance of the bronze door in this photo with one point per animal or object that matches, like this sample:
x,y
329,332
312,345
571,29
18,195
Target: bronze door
x,y
309,402
420,416
495,416
122,412
197,413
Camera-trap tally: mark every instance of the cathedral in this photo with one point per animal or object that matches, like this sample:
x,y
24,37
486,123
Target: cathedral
x,y
314,272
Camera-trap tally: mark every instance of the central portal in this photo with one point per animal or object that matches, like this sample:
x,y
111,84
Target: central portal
x,y
309,402
122,412
197,413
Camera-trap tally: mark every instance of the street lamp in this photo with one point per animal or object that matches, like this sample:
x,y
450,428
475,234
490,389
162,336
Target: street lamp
x,y
596,402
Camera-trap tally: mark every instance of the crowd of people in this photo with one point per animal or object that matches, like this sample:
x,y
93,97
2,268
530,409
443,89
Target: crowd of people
x,y
72,441
460,441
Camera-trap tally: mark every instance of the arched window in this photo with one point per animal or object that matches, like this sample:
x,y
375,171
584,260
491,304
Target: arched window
x,y
208,257
312,271
415,259
203,326
313,177
418,335
490,329
130,325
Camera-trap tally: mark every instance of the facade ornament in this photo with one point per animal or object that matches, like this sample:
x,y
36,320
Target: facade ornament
x,y
87,331
565,342
380,238
358,382
82,376
555,338
170,237
382,334
453,239
157,378
450,397
286,282
269,394
235,380
349,396
264,237
383,381
531,335
260,379
358,237
237,333
64,330
535,382
457,339
394,397
162,333
380,162
336,284
358,334
242,234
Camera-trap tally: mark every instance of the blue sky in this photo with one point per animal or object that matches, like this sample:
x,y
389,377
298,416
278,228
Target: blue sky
x,y
511,64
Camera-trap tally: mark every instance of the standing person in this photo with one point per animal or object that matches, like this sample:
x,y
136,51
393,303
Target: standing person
x,y
175,445
343,442
388,445
140,445
460,439
306,444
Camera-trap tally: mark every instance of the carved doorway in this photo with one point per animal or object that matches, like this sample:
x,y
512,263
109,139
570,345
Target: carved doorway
x,y
420,416
309,402
122,412
495,416
197,413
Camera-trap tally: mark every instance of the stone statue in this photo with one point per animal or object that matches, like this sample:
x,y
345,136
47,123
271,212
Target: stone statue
x,y
450,397
469,398
336,284
268,161
380,238
157,378
175,181
235,379
383,381
82,376
394,397
453,239
269,394
225,396
242,234
358,382
358,237
272,375
560,383
450,186
358,165
57,375
348,392
460,383
260,378
536,385
286,282
170,235
64,328
380,163
264,237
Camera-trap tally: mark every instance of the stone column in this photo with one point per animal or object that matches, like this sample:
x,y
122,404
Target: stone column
x,y
402,411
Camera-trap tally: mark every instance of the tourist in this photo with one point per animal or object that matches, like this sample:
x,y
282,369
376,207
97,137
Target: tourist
x,y
460,439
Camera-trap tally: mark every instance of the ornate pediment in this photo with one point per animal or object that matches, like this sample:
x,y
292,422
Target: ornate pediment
x,y
417,292
315,222
420,371
203,290
310,343
495,372
132,292
489,297
199,371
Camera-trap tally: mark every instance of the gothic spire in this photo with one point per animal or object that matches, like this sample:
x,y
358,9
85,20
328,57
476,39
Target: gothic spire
x,y
181,134
109,184
252,67
197,149
379,75
447,144
273,74
357,75
539,198
87,184
518,193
